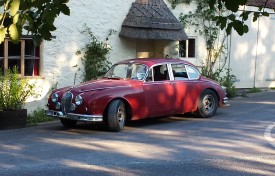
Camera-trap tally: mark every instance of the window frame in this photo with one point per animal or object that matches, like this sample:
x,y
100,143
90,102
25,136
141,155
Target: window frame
x,y
195,69
187,48
152,78
186,66
22,57
182,78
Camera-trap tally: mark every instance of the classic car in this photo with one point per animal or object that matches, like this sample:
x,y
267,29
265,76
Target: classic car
x,y
136,89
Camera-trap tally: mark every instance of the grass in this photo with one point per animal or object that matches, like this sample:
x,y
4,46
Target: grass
x,y
254,90
38,116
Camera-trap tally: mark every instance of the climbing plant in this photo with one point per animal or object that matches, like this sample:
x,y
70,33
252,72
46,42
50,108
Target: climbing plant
x,y
203,20
94,55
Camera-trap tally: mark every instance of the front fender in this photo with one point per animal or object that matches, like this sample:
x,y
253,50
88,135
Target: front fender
x,y
132,97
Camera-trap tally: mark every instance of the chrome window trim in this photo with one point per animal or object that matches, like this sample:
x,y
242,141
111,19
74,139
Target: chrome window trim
x,y
194,69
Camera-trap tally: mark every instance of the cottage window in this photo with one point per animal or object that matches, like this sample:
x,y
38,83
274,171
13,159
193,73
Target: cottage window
x,y
24,55
187,48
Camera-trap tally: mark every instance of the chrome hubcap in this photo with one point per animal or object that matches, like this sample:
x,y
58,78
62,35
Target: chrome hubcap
x,y
208,103
121,115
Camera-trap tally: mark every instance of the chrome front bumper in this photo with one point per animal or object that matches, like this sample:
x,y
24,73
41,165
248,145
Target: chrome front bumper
x,y
77,117
225,102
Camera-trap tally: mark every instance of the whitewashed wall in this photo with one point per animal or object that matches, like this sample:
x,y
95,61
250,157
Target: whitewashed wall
x,y
253,55
100,16
61,64
200,42
59,58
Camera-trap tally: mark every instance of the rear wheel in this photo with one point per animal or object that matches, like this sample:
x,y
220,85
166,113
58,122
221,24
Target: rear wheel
x,y
68,123
208,104
116,115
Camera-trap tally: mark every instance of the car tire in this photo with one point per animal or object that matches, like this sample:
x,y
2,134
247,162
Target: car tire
x,y
208,104
116,115
67,123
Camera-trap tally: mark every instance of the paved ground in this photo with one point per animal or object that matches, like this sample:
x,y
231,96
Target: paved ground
x,y
239,140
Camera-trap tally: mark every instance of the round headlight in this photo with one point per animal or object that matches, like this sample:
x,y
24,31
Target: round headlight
x,y
58,106
78,100
54,97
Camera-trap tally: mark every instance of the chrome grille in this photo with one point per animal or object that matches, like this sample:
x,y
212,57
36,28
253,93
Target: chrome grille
x,y
66,102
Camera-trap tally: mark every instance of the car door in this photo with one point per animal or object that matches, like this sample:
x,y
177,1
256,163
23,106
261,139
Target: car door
x,y
185,80
159,91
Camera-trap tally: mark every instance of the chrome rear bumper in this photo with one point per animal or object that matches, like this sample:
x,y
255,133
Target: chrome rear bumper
x,y
225,102
77,117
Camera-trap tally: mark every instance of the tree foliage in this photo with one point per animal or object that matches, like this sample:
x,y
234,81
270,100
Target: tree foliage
x,y
202,19
231,20
35,16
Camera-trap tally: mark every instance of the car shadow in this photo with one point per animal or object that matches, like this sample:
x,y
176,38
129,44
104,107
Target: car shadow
x,y
161,120
81,127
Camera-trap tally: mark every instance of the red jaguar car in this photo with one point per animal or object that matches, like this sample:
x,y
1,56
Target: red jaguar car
x,y
136,89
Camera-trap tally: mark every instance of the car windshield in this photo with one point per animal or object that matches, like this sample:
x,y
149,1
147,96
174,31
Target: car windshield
x,y
127,71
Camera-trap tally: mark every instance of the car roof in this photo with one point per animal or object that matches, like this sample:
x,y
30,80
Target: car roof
x,y
154,61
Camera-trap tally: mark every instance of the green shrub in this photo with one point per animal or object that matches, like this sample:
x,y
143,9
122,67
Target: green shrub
x,y
14,90
228,82
38,116
254,90
214,75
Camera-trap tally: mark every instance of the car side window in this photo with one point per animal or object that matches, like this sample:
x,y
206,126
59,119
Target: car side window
x,y
150,76
160,73
192,72
179,71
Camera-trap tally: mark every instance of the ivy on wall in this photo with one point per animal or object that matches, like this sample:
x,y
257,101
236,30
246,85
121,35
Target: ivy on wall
x,y
203,20
94,56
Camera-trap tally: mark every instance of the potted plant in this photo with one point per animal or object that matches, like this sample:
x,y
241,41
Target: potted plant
x,y
14,92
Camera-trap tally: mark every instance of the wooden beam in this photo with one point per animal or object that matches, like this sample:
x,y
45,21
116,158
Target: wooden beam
x,y
6,54
22,58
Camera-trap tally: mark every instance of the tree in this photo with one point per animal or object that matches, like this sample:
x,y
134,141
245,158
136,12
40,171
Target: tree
x,y
230,20
202,20
35,16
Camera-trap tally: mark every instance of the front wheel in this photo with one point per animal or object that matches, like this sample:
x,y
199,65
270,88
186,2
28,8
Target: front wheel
x,y
67,123
116,115
208,104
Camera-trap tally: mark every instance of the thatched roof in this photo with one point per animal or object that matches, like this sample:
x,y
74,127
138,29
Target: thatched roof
x,y
258,3
152,19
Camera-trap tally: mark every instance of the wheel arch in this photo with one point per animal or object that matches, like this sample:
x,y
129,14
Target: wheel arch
x,y
218,97
127,105
201,111
198,99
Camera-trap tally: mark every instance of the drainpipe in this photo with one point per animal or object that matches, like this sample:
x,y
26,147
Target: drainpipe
x,y
256,58
230,46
